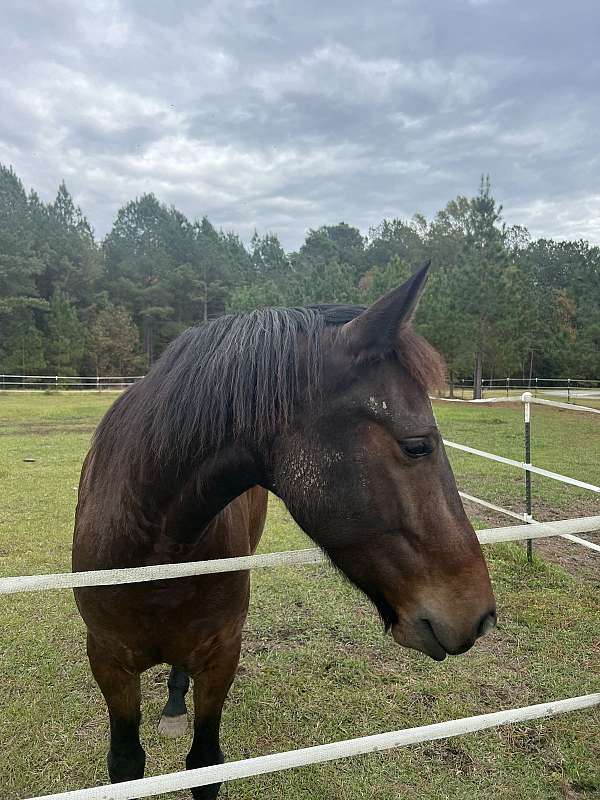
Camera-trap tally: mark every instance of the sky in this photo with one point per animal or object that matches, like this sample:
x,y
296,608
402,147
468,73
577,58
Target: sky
x,y
283,116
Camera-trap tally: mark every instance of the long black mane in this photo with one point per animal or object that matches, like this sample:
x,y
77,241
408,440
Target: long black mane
x,y
240,376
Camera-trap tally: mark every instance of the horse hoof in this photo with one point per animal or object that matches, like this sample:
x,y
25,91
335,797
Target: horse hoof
x,y
173,727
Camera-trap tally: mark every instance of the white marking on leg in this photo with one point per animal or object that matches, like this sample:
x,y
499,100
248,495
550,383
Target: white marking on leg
x,y
173,727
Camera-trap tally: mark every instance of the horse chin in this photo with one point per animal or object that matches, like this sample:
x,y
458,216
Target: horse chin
x,y
427,644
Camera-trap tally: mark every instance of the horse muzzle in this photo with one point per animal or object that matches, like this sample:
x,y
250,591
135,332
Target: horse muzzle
x,y
437,639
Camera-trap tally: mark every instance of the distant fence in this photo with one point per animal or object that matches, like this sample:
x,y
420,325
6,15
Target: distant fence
x,y
94,383
564,386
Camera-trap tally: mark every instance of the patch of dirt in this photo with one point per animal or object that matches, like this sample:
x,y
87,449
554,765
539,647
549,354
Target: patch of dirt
x,y
452,756
505,695
577,791
528,739
572,557
256,642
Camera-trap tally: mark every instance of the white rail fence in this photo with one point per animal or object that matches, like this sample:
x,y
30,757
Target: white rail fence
x,y
249,767
65,382
561,386
163,784
538,401
527,399
287,558
576,387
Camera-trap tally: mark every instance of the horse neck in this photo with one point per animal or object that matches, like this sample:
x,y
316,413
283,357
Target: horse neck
x,y
197,498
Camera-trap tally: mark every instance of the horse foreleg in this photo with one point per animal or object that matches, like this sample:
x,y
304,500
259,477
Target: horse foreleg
x,y
211,685
121,690
173,721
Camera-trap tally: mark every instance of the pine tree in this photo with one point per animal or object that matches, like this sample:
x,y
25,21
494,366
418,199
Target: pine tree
x,y
113,343
65,339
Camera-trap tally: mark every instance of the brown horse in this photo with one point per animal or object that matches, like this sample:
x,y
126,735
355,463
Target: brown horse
x,y
325,406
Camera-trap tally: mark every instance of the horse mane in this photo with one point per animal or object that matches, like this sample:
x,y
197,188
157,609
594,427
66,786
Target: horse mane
x,y
240,376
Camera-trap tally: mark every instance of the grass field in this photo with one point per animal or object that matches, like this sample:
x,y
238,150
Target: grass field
x,y
315,666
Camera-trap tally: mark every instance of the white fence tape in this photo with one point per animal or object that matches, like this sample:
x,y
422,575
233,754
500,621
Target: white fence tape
x,y
158,572
161,784
557,404
527,398
583,542
493,507
521,399
109,577
522,465
514,515
479,400
89,378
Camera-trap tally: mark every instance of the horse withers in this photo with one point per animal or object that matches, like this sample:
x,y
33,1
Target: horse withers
x,y
328,408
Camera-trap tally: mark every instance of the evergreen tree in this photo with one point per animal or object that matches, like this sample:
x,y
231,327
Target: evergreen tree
x,y
19,268
395,239
268,257
21,344
496,299
113,343
64,244
481,282
65,336
332,243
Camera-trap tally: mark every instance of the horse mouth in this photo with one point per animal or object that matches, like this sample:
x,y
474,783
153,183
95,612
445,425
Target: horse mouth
x,y
414,634
421,638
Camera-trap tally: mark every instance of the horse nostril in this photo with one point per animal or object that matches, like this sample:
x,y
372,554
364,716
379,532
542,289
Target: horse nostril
x,y
486,623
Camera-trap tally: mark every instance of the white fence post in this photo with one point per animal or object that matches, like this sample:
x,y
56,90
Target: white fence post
x,y
526,398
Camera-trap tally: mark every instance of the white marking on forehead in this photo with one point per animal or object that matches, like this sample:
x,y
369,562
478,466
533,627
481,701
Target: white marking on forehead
x,y
376,405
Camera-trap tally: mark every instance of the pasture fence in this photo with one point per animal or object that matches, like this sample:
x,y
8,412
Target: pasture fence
x,y
319,754
162,784
286,558
528,400
566,386
570,387
93,383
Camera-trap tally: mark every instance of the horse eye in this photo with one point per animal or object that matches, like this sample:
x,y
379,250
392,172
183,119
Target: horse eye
x,y
416,448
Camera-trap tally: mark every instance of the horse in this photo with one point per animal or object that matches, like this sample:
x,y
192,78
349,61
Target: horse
x,y
327,407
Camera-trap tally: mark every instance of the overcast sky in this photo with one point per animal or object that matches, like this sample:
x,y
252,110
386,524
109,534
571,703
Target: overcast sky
x,y
283,116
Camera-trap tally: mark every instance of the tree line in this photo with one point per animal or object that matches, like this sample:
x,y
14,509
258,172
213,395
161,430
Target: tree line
x,y
498,303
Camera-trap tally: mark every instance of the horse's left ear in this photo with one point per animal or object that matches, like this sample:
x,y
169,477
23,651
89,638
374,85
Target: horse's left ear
x,y
375,331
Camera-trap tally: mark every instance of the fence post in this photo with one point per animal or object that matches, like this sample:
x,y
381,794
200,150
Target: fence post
x,y
507,385
568,390
526,398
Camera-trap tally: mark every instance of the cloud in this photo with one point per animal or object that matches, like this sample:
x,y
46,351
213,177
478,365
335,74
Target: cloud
x,y
283,116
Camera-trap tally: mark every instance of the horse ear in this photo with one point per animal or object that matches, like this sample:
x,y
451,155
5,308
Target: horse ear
x,y
375,331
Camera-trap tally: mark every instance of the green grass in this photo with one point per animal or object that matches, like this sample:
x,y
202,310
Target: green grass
x,y
315,666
